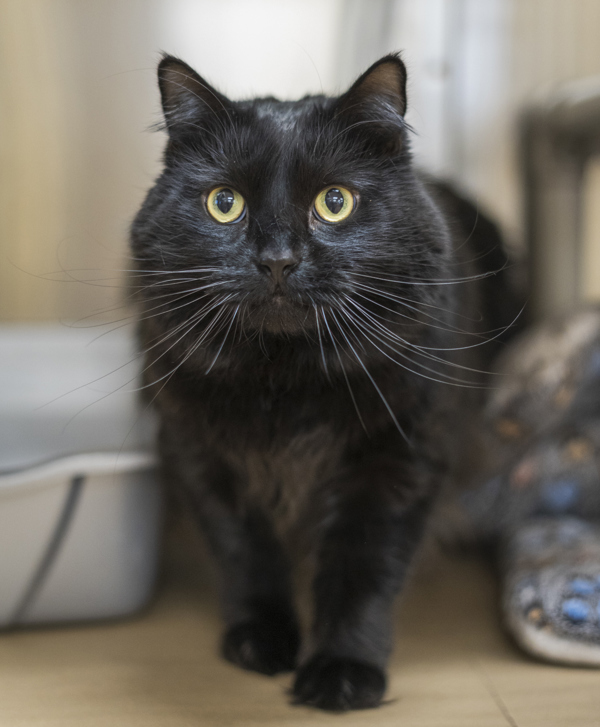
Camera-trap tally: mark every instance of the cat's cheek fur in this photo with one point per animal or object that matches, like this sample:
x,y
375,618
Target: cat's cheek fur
x,y
299,368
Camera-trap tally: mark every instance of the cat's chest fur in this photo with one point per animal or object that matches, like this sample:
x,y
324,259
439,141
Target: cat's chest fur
x,y
284,445
278,450
287,479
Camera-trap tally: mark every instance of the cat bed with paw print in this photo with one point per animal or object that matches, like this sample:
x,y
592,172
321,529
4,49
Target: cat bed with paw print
x,y
79,500
538,493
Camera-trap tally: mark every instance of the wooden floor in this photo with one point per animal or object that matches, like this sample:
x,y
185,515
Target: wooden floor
x,y
452,666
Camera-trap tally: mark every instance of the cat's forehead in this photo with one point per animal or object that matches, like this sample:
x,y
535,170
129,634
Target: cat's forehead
x,y
287,115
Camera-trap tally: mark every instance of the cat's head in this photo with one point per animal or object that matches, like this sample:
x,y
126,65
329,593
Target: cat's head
x,y
270,216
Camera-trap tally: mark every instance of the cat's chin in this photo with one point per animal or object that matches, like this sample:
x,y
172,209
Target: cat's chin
x,y
281,316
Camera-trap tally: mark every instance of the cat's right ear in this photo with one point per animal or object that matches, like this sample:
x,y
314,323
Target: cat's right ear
x,y
376,102
185,95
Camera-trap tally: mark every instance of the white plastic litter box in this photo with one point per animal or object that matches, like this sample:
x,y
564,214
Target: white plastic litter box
x,y
80,505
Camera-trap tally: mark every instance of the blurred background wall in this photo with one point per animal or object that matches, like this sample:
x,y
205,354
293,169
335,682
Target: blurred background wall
x,y
78,96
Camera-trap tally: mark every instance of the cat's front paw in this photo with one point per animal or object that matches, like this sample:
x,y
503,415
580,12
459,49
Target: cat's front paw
x,y
338,684
262,645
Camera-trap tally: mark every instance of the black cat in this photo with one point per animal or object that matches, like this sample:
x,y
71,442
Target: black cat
x,y
310,324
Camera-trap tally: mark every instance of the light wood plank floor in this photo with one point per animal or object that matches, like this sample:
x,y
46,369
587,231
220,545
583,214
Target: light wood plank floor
x,y
452,666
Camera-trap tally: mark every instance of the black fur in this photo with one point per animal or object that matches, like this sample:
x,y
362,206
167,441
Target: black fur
x,y
308,417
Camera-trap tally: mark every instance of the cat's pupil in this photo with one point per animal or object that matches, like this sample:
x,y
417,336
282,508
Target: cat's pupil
x,y
224,200
334,200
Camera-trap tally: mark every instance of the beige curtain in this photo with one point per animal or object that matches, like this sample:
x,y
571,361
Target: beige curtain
x,y
33,150
77,97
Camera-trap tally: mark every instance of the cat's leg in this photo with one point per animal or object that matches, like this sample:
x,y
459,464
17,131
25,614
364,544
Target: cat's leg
x,y
362,562
262,632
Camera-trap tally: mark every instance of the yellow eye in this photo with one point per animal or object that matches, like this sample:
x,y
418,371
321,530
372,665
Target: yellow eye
x,y
334,204
225,205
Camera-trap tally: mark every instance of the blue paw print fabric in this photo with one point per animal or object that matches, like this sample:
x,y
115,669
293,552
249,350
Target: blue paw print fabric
x,y
537,491
552,588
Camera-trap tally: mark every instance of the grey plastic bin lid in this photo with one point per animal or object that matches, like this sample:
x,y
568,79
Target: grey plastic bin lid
x,y
67,391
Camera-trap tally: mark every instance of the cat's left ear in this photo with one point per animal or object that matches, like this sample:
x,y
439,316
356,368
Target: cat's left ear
x,y
378,97
186,96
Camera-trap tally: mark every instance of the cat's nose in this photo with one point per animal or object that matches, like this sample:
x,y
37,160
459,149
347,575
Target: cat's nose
x,y
277,265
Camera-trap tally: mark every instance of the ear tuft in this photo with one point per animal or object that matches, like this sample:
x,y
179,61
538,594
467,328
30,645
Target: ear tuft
x,y
185,95
384,81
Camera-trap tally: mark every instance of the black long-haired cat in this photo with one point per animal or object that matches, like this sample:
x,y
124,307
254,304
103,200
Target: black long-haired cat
x,y
307,326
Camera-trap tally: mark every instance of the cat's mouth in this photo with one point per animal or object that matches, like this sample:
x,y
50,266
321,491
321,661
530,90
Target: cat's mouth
x,y
280,314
